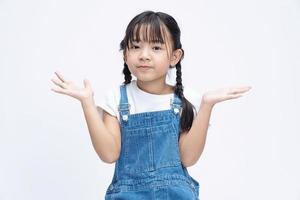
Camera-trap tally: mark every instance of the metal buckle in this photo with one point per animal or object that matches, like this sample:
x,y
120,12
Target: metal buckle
x,y
125,117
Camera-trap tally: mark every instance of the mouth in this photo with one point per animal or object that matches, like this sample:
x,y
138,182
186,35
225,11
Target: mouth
x,y
144,67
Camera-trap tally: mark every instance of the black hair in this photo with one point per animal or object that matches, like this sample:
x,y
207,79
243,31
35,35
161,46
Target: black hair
x,y
156,22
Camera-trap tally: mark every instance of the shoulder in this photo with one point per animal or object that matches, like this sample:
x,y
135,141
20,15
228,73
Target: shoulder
x,y
193,96
109,99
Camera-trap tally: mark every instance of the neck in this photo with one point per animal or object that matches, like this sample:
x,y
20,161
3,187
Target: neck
x,y
157,87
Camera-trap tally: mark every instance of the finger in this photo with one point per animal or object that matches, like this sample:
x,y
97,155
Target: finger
x,y
86,83
62,91
234,96
238,90
58,90
60,76
59,83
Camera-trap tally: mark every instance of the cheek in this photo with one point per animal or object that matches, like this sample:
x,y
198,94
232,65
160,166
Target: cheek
x,y
131,67
129,58
130,63
165,64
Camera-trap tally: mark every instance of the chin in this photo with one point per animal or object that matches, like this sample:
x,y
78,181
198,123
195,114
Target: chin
x,y
144,77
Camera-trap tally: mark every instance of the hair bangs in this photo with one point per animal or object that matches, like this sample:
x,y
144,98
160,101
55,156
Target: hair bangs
x,y
152,32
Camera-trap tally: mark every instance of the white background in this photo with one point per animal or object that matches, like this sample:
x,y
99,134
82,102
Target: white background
x,y
252,148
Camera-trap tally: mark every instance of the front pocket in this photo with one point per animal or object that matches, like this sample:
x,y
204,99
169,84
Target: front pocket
x,y
165,145
138,151
182,192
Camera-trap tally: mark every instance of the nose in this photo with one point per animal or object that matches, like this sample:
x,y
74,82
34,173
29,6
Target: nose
x,y
144,54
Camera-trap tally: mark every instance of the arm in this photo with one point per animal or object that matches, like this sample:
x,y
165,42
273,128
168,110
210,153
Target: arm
x,y
192,143
105,135
102,138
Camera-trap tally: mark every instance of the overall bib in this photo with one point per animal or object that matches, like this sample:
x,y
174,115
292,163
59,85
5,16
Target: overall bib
x,y
149,166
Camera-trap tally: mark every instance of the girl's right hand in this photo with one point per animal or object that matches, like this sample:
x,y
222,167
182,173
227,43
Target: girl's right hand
x,y
67,87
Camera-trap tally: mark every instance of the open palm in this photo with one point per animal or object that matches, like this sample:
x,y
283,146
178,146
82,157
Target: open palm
x,y
68,87
215,96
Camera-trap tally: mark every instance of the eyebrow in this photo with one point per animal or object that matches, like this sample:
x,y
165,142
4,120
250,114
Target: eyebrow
x,y
152,41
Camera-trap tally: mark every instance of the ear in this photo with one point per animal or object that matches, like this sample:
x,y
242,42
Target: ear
x,y
176,56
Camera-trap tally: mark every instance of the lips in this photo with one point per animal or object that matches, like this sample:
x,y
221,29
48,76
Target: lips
x,y
143,66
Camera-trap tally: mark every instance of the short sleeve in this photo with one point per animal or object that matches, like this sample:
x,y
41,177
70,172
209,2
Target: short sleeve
x,y
109,102
195,98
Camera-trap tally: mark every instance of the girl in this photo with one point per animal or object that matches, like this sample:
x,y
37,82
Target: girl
x,y
152,140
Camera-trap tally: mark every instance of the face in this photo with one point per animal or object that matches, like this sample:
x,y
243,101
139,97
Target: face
x,y
149,61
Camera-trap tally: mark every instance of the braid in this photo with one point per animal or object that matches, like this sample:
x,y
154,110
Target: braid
x,y
127,74
179,86
187,115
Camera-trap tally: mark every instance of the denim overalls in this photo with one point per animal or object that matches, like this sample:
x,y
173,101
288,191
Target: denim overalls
x,y
149,166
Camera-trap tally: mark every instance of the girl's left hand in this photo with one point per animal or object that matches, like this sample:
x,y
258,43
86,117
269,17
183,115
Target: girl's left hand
x,y
215,96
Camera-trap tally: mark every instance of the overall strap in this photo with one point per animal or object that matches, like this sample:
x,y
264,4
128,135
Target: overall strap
x,y
124,106
176,105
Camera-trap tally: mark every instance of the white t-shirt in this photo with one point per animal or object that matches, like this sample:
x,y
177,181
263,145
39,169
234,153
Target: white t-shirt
x,y
141,101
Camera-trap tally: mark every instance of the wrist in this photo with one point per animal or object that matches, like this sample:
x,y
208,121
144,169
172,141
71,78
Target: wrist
x,y
86,102
207,105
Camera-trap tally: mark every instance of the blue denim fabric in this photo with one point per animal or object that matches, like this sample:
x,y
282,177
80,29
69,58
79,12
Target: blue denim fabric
x,y
149,166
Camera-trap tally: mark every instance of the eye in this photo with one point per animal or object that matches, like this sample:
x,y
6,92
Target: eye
x,y
134,46
157,48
